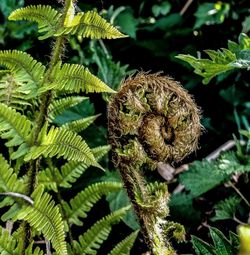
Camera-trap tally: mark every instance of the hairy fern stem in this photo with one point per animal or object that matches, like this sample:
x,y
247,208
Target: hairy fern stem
x,y
152,119
45,101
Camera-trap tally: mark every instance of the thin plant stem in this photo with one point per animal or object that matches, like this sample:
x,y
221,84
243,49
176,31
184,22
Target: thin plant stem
x,y
239,193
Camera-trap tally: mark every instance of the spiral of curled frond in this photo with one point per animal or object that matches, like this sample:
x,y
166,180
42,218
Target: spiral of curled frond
x,y
152,119
155,114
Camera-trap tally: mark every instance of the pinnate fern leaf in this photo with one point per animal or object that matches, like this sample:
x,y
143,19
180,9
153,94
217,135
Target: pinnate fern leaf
x,y
46,17
75,78
92,239
124,247
8,245
8,178
14,127
91,25
20,61
61,142
58,106
84,200
45,216
69,172
15,92
81,124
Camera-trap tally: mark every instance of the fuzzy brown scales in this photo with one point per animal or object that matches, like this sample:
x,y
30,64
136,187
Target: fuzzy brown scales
x,y
158,112
151,119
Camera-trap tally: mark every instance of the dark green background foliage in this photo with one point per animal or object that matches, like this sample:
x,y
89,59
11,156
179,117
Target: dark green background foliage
x,y
159,31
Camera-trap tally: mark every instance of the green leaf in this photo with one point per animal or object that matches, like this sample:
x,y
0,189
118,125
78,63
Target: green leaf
x,y
61,142
201,177
8,245
201,247
83,201
161,9
91,25
211,13
226,209
75,78
222,245
16,128
20,61
58,106
237,56
91,240
45,216
124,247
46,17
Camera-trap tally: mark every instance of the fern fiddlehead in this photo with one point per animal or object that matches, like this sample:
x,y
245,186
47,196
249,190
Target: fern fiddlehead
x,y
152,119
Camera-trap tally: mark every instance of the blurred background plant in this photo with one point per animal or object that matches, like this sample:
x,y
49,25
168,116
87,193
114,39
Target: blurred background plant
x,y
215,192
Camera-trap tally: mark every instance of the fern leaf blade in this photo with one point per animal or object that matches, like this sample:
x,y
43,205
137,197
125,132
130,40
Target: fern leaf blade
x,y
91,25
46,17
18,60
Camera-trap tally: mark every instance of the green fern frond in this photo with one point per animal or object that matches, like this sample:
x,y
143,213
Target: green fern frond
x,y
36,251
8,245
46,17
75,78
63,143
58,106
49,178
124,247
14,92
45,216
92,239
69,173
91,25
79,125
8,178
20,61
16,128
84,200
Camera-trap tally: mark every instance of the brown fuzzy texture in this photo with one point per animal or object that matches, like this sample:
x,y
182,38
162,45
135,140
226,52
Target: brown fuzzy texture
x,y
159,113
151,119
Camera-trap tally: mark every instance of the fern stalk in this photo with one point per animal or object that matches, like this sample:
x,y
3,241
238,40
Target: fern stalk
x,y
152,119
45,100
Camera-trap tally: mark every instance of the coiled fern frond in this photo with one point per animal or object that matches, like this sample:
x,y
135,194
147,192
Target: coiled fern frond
x,y
152,119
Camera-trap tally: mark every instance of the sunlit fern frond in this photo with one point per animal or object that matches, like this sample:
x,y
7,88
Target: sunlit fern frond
x,y
58,106
124,247
84,200
14,92
45,216
16,128
69,172
8,245
91,25
18,61
75,78
61,142
31,251
92,239
81,124
46,17
8,178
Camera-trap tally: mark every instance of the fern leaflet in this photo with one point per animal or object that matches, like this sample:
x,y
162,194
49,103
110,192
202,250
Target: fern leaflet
x,y
91,25
60,105
84,200
46,17
20,61
8,245
63,143
45,216
16,128
124,247
91,240
75,78
79,125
